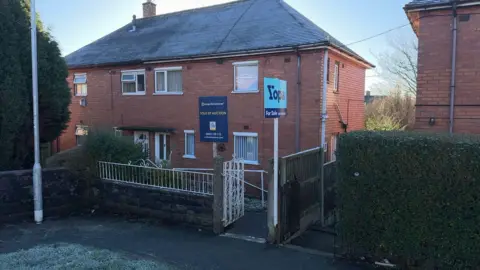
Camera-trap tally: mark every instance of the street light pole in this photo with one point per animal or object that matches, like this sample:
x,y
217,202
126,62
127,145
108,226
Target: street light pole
x,y
37,168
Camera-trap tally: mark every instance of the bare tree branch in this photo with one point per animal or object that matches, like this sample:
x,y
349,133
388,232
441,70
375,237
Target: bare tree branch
x,y
398,66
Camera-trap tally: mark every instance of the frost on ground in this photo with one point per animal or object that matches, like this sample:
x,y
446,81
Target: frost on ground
x,y
254,205
69,256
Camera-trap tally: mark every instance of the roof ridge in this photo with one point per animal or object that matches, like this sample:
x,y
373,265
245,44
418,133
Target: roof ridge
x,y
232,2
288,9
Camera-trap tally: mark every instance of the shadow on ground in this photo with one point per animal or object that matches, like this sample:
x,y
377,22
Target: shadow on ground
x,y
184,248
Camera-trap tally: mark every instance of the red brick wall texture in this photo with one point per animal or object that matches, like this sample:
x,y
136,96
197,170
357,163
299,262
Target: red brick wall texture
x,y
434,71
108,108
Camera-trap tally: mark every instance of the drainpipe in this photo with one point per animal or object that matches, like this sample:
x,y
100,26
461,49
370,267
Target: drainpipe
x,y
297,103
322,137
454,64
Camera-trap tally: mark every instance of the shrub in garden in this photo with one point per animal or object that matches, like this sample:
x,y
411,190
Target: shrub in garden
x,y
412,198
99,146
393,112
105,146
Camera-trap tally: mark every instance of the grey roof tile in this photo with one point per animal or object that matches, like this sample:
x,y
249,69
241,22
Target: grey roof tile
x,y
237,26
426,3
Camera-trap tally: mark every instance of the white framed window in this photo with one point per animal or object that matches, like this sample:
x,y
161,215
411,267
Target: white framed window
x,y
333,145
189,144
336,76
80,84
81,133
245,77
168,81
246,147
117,132
133,82
141,137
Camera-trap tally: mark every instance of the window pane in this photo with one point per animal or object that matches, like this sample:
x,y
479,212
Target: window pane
x,y
246,78
335,76
174,81
128,77
142,138
161,147
129,87
141,82
160,81
246,148
80,79
80,89
190,144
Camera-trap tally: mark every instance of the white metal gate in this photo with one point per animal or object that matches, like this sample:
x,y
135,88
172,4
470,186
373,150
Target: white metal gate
x,y
233,191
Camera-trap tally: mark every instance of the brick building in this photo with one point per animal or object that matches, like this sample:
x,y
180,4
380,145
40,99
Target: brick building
x,y
448,67
145,79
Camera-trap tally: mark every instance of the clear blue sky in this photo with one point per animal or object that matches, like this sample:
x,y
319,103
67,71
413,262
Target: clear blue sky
x,y
76,23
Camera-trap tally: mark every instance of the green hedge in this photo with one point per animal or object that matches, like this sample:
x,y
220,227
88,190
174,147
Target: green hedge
x,y
412,198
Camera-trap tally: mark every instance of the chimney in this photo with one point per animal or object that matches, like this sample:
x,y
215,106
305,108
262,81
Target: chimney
x,y
368,93
149,9
134,24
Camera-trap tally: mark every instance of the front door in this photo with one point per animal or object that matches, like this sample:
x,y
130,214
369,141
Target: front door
x,y
162,149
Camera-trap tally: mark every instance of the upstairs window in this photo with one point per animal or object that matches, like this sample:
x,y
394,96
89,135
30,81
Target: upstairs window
x,y
80,85
133,82
168,81
246,77
336,76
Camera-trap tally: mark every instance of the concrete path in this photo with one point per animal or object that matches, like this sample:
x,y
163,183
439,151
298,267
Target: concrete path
x,y
181,247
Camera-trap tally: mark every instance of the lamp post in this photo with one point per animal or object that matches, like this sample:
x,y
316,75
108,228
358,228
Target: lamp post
x,y
37,168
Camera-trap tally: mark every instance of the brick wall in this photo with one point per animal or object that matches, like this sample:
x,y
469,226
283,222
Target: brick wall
x,y
434,71
169,206
108,107
61,194
347,103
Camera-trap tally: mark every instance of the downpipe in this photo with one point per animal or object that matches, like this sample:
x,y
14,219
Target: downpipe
x,y
322,137
454,65
297,103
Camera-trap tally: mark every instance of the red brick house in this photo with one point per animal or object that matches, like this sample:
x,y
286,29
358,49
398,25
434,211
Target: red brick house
x,y
145,79
448,64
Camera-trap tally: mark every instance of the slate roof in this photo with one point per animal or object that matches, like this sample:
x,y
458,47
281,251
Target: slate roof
x,y
240,26
428,3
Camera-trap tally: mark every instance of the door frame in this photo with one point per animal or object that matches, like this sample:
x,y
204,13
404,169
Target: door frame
x,y
158,148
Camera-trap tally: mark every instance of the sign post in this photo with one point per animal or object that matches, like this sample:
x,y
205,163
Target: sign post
x,y
275,104
213,115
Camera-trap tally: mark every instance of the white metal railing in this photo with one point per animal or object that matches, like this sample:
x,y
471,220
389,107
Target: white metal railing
x,y
168,179
261,172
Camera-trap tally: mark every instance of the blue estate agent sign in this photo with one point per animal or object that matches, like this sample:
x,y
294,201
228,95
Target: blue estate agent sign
x,y
275,98
213,114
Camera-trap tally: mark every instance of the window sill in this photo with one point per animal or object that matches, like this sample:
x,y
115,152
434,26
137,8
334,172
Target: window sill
x,y
80,95
246,92
189,157
251,162
134,94
168,94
